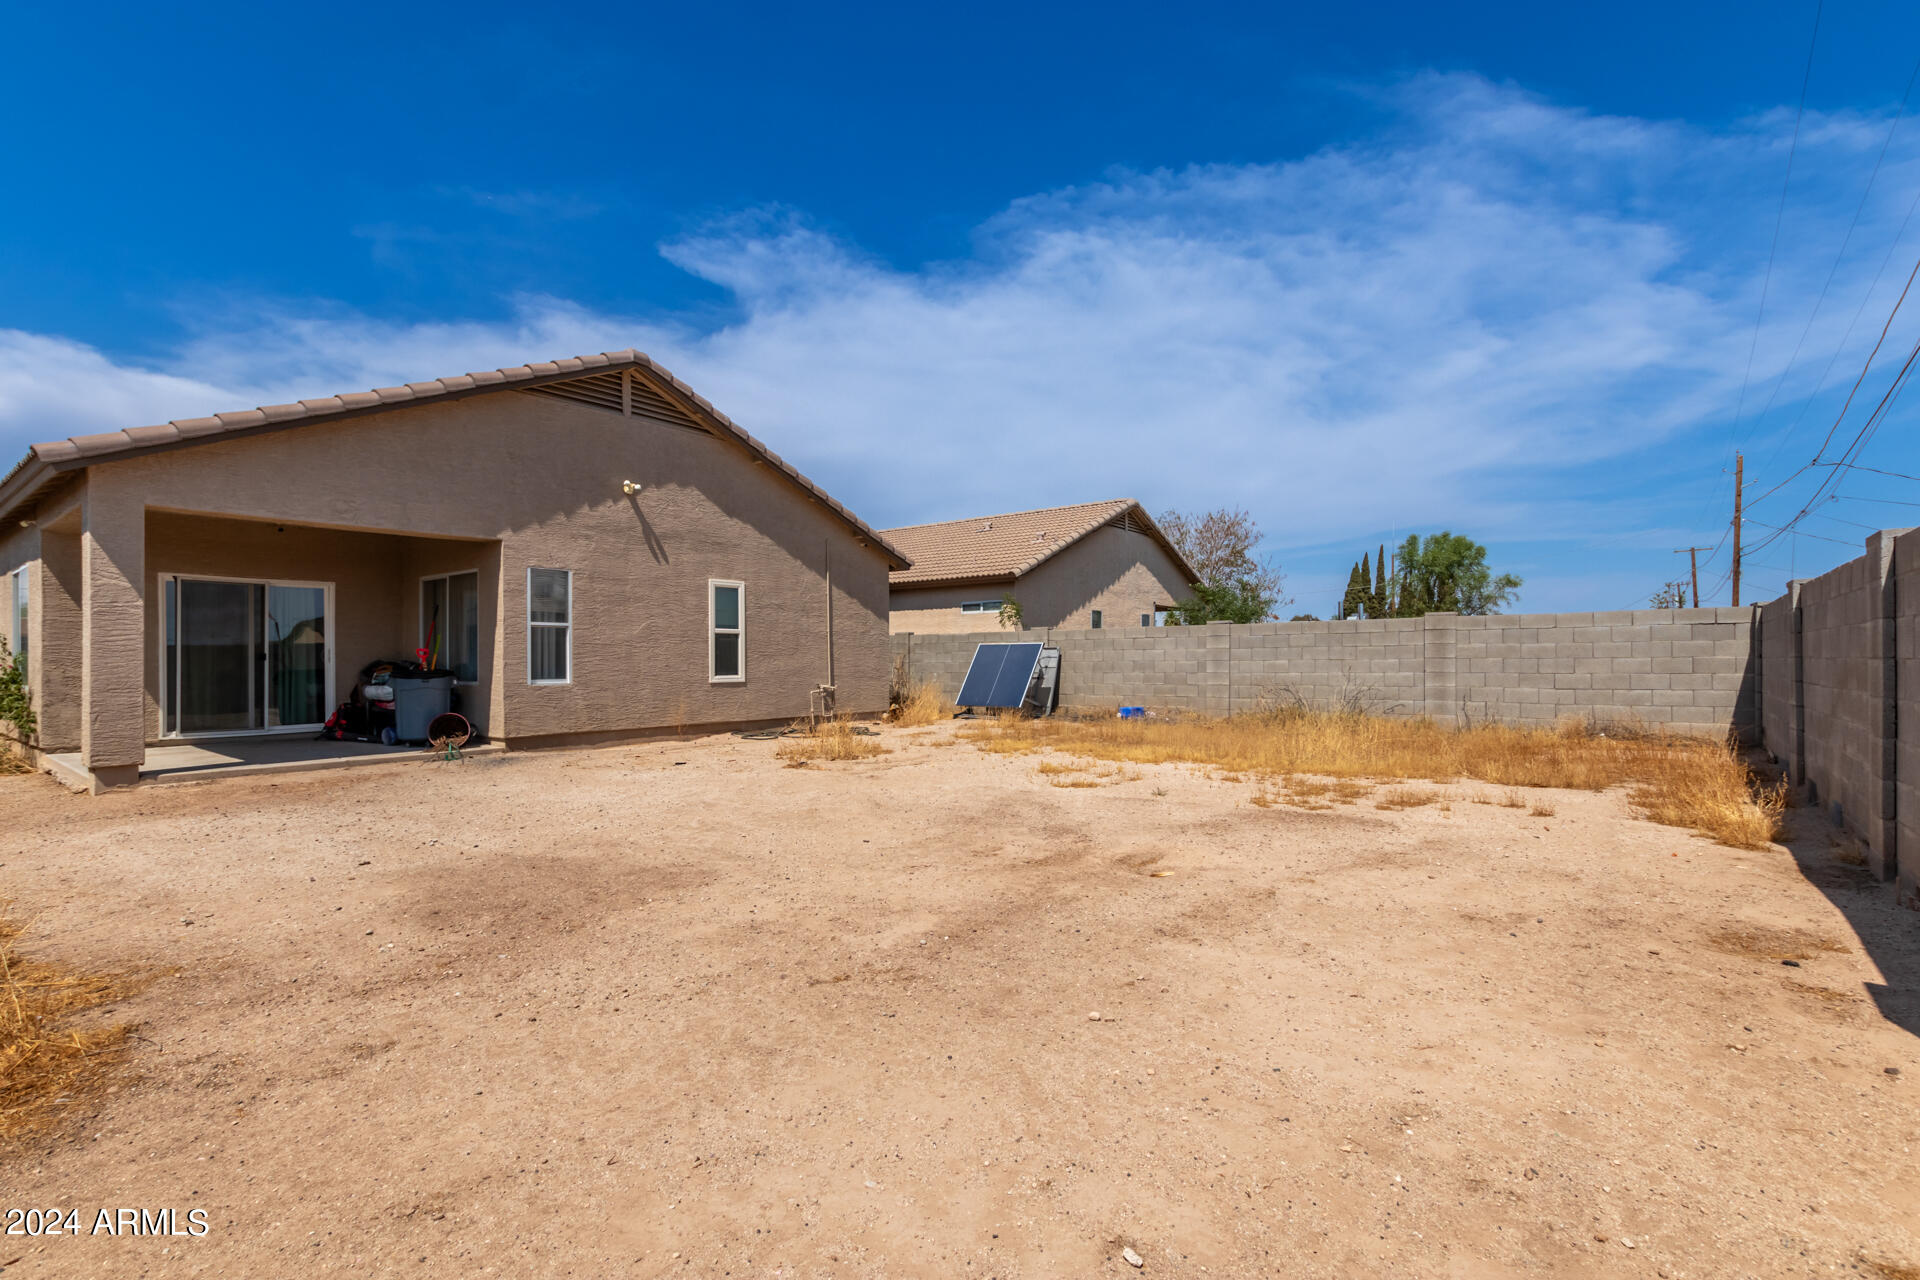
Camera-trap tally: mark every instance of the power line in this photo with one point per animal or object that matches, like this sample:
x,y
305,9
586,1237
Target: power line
x,y
1801,533
1821,515
1891,502
1834,270
1859,466
1780,214
1884,329
1867,429
1858,311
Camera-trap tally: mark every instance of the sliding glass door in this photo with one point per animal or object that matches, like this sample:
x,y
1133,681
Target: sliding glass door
x,y
244,657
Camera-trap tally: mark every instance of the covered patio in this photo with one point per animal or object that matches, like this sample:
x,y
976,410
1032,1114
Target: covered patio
x,y
250,632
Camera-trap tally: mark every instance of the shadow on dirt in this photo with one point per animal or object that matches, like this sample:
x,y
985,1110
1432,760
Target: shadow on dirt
x,y
1833,863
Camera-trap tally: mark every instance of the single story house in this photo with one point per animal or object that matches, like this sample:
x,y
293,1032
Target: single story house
x,y
593,549
1094,565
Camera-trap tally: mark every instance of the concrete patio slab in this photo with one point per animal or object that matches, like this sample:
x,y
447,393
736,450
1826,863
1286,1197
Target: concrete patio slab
x,y
240,756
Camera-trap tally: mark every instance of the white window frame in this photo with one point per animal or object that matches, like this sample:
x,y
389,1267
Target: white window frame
x,y
713,585
567,625
419,606
980,606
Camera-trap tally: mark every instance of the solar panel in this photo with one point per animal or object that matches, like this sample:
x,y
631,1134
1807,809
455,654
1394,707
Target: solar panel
x,y
998,676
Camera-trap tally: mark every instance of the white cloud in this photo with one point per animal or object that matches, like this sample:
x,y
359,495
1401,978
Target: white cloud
x,y
1445,324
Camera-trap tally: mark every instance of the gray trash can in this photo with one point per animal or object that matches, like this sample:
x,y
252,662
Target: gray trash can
x,y
416,701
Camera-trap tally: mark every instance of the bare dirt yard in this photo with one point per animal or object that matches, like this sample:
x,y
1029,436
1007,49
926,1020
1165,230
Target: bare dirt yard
x,y
680,1010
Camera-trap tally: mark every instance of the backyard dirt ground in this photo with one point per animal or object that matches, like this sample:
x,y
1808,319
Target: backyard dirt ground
x,y
674,1009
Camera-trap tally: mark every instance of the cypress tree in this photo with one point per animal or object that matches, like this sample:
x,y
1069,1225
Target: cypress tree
x,y
1355,599
1377,606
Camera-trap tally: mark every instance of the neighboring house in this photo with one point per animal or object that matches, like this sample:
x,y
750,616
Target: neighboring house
x,y
1098,564
593,549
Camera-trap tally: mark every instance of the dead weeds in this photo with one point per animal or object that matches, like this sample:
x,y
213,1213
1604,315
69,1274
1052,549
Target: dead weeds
x,y
917,704
48,1065
1406,798
836,739
1679,781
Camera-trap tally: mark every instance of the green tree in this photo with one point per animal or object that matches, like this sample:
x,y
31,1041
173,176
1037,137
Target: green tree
x,y
1447,573
1354,602
1220,544
1377,596
1672,596
1011,616
1235,602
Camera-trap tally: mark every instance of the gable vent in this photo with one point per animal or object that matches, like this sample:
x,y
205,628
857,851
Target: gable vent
x,y
651,404
604,391
1126,521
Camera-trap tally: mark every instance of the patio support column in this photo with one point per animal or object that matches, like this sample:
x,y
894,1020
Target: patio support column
x,y
113,700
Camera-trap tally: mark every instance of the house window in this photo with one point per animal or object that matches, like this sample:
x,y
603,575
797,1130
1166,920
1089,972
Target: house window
x,y
19,619
726,631
1146,619
450,624
549,626
1096,619
980,606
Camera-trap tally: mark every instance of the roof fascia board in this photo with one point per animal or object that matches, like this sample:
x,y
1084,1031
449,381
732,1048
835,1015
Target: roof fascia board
x,y
35,469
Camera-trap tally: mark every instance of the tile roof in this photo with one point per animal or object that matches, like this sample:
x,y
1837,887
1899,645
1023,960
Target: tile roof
x,y
987,548
77,452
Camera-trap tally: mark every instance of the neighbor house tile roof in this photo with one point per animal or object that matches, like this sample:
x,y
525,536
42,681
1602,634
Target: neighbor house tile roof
x,y
989,548
44,462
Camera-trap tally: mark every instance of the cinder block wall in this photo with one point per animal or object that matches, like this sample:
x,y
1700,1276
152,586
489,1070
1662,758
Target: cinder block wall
x,y
1686,669
1778,665
1904,830
1840,613
1826,678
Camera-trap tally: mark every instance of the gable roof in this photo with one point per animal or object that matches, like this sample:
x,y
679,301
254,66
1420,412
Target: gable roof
x,y
650,390
989,548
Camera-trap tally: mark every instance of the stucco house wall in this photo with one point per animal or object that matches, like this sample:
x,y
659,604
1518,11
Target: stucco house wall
x,y
1123,573
500,483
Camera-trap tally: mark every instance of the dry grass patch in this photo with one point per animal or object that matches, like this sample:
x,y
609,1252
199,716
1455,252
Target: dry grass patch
x,y
1709,789
48,1066
917,704
1539,810
1070,774
1684,782
1406,797
837,739
13,761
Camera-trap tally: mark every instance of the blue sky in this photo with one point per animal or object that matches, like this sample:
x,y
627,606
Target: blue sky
x,y
1497,270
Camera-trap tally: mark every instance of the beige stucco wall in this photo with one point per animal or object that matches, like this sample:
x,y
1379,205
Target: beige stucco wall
x,y
1121,573
541,477
936,610
375,577
49,548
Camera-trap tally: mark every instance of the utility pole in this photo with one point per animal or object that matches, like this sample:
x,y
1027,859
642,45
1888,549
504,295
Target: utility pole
x,y
1739,488
1693,563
